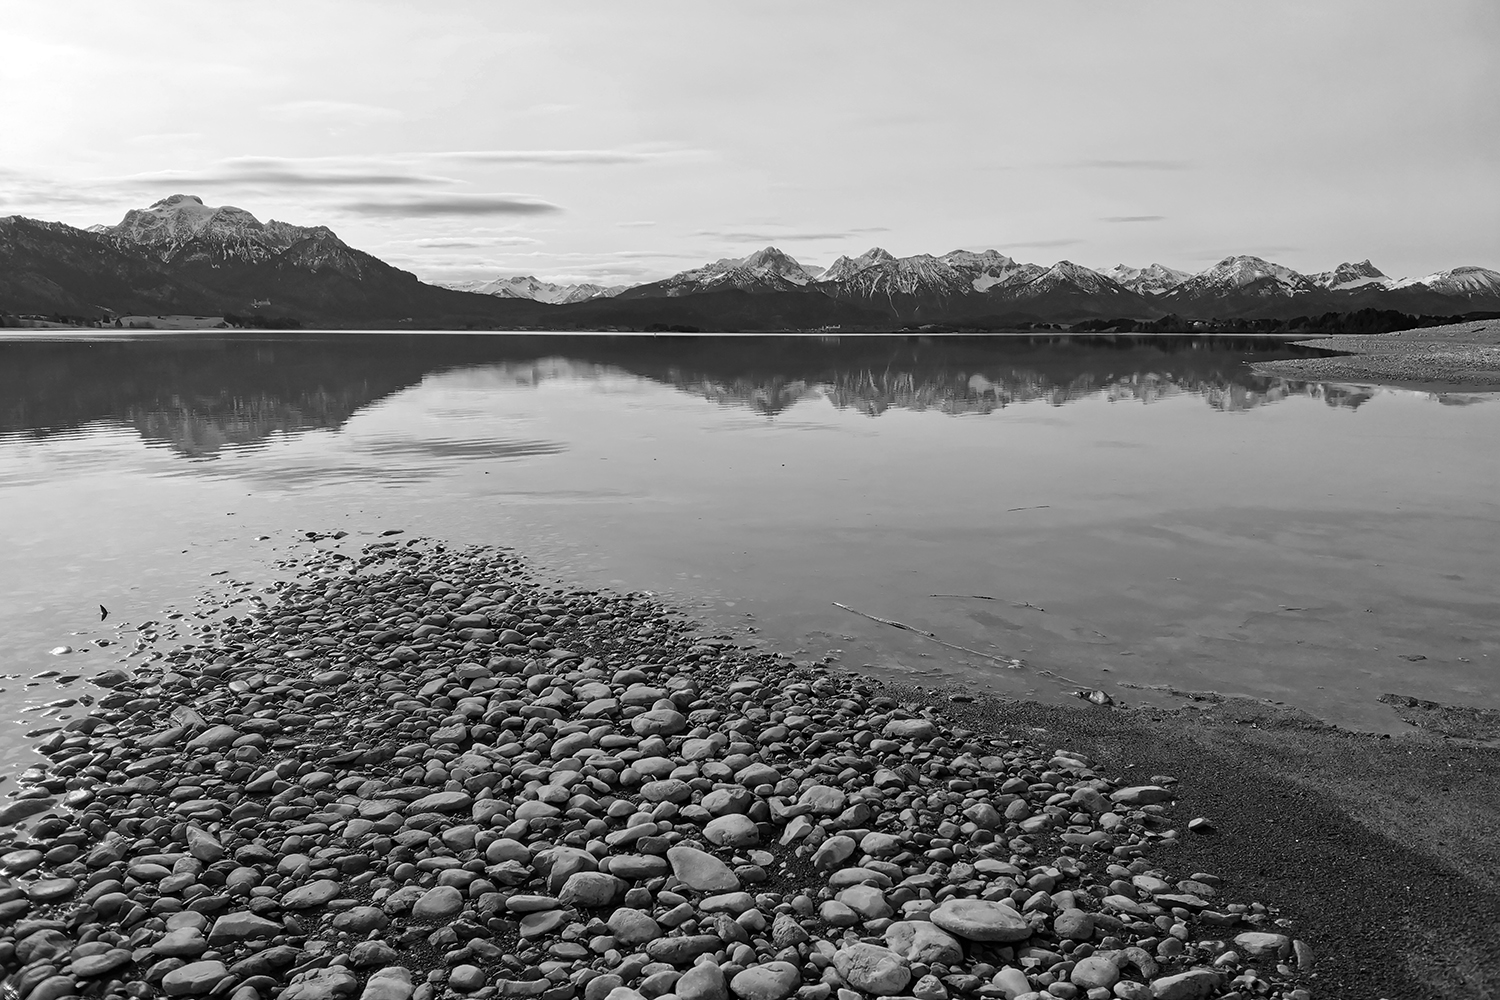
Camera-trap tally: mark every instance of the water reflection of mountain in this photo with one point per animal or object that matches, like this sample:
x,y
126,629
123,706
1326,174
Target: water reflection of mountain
x,y
200,393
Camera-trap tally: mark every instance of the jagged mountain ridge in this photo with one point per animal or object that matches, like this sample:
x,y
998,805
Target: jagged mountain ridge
x,y
530,287
180,255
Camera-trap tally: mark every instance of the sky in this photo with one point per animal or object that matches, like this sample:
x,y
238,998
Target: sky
x,y
619,143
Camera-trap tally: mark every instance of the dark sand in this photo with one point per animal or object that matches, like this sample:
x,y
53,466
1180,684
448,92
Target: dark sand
x,y
1382,851
1459,357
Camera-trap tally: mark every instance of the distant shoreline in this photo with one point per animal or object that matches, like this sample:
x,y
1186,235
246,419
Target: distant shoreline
x,y
1459,357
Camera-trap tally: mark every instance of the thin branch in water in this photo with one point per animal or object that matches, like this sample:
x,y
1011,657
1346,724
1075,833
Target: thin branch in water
x,y
1040,506
885,621
977,597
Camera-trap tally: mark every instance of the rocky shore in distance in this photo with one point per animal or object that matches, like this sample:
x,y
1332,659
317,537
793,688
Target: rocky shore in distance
x,y
422,774
1455,357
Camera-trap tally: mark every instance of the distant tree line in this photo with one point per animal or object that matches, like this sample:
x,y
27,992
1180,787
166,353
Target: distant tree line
x,y
1361,321
257,321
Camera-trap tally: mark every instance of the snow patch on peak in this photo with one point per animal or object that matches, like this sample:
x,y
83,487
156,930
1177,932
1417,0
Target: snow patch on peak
x,y
847,267
1348,275
1468,281
1153,280
179,219
529,287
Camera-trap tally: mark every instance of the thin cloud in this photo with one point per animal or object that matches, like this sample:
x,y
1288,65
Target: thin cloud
x,y
280,172
475,242
548,157
1134,218
752,236
641,224
1134,164
1037,244
347,112
420,206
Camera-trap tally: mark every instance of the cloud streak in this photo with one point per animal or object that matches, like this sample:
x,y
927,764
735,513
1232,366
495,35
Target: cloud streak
x,y
475,242
754,236
280,172
549,157
427,206
1037,244
1133,164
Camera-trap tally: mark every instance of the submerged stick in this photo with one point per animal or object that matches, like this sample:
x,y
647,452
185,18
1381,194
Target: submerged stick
x,y
1010,662
885,621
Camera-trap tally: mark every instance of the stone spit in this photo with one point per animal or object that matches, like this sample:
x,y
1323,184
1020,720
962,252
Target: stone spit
x,y
420,773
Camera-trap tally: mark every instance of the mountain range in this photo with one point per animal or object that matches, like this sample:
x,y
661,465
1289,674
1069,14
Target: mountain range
x,y
182,256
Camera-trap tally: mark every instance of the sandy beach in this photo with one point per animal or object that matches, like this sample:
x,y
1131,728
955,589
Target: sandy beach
x,y
1459,357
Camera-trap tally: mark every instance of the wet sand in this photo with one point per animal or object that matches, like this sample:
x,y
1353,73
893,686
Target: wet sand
x,y
1459,357
1380,850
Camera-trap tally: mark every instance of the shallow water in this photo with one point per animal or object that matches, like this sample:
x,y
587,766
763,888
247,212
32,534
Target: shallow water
x,y
1123,515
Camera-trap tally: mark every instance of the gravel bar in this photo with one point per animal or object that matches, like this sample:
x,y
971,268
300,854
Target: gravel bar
x,y
1457,357
420,773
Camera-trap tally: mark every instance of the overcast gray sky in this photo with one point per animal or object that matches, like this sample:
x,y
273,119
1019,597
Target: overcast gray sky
x,y
621,142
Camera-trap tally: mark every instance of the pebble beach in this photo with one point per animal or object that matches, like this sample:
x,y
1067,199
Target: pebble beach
x,y
421,773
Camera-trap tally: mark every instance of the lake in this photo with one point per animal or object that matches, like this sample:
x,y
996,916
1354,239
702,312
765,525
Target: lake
x,y
1134,515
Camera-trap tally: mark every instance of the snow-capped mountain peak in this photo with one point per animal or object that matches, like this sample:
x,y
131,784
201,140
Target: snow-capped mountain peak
x,y
181,219
529,287
846,267
1153,280
1348,275
1467,281
764,270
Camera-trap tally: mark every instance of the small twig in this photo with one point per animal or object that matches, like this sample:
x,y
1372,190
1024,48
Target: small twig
x,y
885,621
1040,506
977,597
1007,661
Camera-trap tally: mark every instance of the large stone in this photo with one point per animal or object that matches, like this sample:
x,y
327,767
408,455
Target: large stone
x,y
1195,984
98,965
1012,982
441,802
331,983
1141,795
193,979
213,738
242,926
437,904
390,983
772,981
50,890
909,729
1074,925
313,894
682,950
872,969
203,846
630,926
732,830
590,889
866,900
980,920
1263,943
1095,972
702,982
659,722
701,871
923,942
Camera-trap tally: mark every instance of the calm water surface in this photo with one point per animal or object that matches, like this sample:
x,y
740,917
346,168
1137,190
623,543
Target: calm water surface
x,y
1120,515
